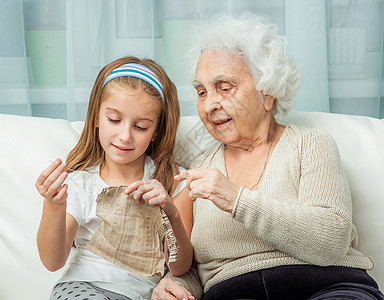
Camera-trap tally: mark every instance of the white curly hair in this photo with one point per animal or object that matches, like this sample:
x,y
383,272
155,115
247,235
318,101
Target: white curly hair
x,y
263,51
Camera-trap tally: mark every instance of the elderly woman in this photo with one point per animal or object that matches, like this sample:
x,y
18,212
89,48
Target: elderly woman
x,y
271,216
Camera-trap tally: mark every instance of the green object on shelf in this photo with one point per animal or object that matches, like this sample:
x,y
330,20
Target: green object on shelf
x,y
47,49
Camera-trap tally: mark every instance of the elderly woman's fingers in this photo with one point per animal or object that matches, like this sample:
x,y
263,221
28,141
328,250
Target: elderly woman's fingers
x,y
191,174
197,174
213,185
168,289
180,177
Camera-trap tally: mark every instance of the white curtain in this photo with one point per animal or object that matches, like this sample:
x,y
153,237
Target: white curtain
x,y
305,29
51,51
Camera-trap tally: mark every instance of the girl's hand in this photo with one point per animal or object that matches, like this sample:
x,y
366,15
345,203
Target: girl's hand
x,y
50,183
168,289
212,185
152,192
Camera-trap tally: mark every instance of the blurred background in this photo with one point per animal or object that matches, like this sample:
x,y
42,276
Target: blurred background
x,y
51,51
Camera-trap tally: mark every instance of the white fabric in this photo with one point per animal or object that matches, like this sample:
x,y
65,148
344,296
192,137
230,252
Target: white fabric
x,y
28,143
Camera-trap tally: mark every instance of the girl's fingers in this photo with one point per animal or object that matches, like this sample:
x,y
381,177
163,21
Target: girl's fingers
x,y
137,195
133,186
137,184
142,187
53,177
62,194
158,197
45,174
57,184
154,201
152,193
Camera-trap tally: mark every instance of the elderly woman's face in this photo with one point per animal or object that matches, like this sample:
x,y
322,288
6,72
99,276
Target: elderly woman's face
x,y
228,103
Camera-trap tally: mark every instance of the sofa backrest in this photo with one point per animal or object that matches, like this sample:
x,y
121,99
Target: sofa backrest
x,y
29,143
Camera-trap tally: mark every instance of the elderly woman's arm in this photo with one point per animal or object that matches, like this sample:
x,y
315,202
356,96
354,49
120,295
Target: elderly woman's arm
x,y
317,228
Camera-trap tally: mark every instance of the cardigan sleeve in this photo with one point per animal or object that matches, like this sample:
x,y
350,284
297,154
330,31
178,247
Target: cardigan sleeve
x,y
315,227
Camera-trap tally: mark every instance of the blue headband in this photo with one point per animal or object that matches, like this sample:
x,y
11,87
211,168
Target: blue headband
x,y
141,72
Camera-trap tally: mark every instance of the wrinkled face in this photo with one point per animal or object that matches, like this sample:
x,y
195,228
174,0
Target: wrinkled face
x,y
228,103
127,123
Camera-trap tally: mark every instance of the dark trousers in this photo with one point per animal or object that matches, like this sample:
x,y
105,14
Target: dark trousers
x,y
298,282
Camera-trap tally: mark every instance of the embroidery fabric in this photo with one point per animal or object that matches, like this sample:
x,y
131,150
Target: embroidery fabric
x,y
131,234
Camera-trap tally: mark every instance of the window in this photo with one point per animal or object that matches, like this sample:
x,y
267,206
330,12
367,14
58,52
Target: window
x,y
53,50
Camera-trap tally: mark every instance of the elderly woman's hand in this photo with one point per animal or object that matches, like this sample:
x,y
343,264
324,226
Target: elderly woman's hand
x,y
168,289
212,185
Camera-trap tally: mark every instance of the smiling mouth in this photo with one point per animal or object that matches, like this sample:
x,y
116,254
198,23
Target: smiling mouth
x,y
122,148
222,121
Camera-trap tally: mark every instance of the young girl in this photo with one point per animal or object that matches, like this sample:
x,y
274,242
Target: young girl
x,y
127,142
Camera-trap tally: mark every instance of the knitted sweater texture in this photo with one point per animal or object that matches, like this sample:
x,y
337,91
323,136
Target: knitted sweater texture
x,y
301,213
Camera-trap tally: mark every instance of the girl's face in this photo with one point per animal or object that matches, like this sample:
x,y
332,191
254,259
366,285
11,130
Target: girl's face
x,y
127,123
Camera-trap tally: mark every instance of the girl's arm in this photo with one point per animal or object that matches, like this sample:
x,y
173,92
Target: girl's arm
x,y
182,227
57,229
185,207
153,192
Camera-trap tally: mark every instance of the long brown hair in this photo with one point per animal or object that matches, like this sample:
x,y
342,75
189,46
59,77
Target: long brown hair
x,y
88,152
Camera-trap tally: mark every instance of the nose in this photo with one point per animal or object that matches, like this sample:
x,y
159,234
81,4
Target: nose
x,y
125,134
212,102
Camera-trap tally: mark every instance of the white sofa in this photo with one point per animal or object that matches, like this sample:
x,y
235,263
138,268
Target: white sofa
x,y
28,143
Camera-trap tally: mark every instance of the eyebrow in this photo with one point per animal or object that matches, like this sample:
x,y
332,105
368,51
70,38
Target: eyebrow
x,y
196,84
219,78
111,109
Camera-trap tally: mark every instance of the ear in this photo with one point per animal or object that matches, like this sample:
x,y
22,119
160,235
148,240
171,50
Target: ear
x,y
154,137
268,102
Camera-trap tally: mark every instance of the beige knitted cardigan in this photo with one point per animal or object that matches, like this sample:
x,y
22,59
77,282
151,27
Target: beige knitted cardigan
x,y
301,213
